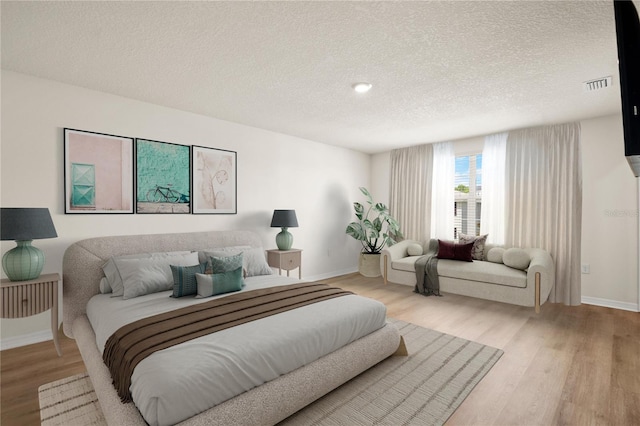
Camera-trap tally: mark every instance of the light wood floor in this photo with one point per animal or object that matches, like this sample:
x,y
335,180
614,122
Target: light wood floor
x,y
567,365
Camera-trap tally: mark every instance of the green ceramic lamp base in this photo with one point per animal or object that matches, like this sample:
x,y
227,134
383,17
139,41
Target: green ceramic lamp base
x,y
24,262
284,239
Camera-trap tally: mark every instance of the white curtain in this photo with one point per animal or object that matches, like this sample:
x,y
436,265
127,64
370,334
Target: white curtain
x,y
544,200
492,220
442,200
410,197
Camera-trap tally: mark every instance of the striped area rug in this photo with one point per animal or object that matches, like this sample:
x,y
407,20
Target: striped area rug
x,y
70,401
424,388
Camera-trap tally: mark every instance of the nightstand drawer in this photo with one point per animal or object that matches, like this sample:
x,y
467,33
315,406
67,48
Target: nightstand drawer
x,y
289,261
285,259
26,300
19,299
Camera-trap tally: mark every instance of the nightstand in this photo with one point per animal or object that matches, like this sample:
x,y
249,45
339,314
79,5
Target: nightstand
x,y
19,299
285,259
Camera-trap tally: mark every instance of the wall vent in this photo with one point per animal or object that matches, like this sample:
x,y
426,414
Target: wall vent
x,y
597,84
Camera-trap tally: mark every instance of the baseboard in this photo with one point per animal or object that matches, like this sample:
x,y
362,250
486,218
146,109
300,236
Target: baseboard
x,y
625,306
25,339
330,274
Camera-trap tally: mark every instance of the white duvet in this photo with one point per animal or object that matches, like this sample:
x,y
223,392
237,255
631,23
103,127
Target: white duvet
x,y
176,383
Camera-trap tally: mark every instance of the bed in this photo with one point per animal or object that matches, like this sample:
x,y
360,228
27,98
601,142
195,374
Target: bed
x,y
263,396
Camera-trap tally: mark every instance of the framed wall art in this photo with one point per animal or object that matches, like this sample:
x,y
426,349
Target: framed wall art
x,y
163,177
98,172
214,181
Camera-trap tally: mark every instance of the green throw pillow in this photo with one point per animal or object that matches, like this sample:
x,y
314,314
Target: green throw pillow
x,y
225,282
220,264
184,279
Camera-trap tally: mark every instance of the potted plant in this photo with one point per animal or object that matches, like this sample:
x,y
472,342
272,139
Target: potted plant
x,y
373,232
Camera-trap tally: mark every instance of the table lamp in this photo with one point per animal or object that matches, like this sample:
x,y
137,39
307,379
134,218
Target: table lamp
x,y
24,262
284,219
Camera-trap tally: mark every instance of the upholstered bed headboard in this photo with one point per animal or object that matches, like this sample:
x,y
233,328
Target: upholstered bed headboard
x,y
83,260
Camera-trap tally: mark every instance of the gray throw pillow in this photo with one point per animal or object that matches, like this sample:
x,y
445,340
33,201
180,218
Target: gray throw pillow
x,y
203,255
254,260
220,264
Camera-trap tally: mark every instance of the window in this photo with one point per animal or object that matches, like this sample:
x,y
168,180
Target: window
x,y
468,195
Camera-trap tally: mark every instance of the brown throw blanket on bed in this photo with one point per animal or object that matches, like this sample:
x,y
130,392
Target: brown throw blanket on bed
x,y
133,342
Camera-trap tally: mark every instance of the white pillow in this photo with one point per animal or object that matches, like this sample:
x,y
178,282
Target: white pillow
x,y
516,258
150,275
104,286
495,255
214,284
111,272
414,249
254,261
114,281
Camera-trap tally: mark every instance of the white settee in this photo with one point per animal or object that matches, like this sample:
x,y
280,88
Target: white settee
x,y
482,279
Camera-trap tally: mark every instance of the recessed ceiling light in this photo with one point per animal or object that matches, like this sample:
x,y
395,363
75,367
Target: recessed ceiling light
x,y
361,87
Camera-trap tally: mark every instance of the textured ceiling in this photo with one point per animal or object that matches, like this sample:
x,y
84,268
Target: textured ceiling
x,y
440,70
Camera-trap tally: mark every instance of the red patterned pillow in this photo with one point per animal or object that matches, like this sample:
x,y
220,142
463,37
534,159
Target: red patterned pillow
x,y
449,250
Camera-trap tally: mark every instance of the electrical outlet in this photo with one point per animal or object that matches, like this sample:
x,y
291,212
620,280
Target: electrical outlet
x,y
586,268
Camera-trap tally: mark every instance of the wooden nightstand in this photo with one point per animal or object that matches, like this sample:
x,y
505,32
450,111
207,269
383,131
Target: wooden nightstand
x,y
285,259
19,299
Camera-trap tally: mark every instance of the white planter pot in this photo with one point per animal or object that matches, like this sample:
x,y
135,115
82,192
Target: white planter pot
x,y
369,265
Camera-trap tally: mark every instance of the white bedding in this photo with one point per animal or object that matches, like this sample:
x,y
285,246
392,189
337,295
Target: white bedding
x,y
176,383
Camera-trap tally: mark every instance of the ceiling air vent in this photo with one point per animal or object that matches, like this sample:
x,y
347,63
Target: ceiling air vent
x,y
597,84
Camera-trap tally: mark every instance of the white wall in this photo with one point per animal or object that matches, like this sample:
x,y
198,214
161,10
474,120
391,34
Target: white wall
x,y
274,171
609,211
609,216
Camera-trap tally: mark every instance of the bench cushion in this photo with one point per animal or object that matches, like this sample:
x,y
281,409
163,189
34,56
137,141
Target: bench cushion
x,y
482,271
406,263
